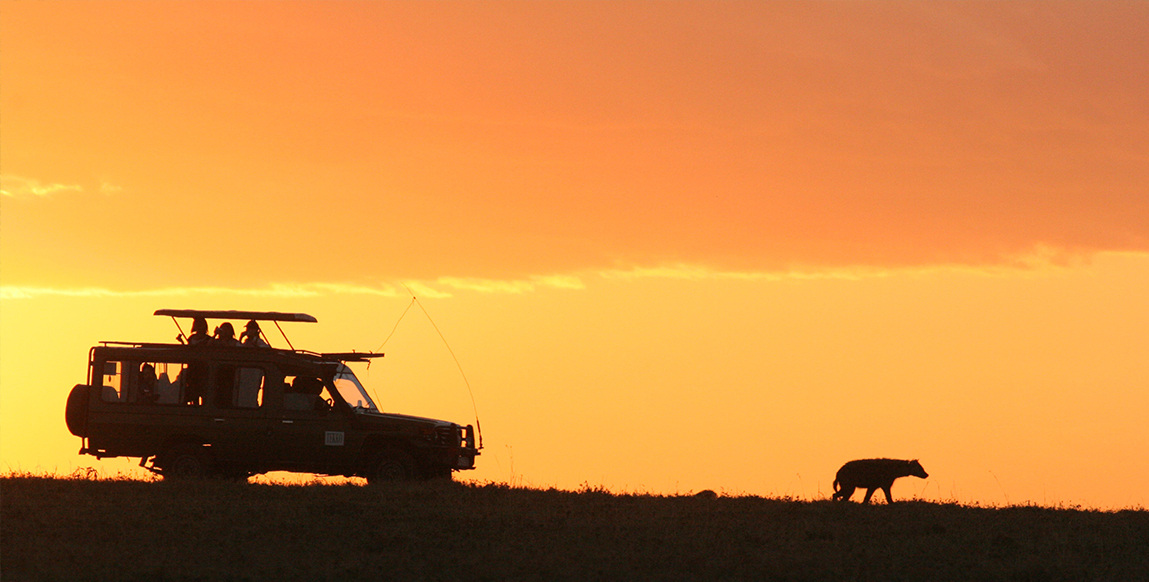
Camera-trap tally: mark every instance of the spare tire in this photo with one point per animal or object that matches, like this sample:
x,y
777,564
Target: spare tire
x,y
76,410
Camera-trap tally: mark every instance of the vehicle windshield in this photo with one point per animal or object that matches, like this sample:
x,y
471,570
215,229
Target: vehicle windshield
x,y
351,390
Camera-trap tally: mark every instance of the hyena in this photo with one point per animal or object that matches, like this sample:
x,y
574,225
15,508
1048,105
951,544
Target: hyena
x,y
874,474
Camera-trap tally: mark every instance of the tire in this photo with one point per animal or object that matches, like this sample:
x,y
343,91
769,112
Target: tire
x,y
392,465
186,462
236,476
440,474
76,410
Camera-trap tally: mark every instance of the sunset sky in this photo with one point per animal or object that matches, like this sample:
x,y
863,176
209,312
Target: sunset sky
x,y
674,245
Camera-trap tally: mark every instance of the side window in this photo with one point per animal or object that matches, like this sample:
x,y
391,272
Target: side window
x,y
167,386
238,386
248,388
305,393
143,382
112,381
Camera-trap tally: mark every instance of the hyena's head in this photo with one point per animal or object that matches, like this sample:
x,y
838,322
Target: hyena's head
x,y
916,469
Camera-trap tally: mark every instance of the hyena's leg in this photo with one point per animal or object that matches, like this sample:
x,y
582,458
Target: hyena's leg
x,y
889,498
844,493
869,494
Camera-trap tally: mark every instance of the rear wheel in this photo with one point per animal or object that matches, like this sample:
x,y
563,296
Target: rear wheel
x,y
390,466
186,462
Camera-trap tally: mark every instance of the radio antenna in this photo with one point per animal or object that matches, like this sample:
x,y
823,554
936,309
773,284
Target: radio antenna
x,y
474,407
396,324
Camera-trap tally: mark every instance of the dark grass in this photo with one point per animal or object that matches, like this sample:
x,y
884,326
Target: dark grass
x,y
80,529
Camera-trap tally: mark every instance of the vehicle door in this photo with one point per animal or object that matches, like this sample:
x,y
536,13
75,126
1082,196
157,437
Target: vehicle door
x,y
241,429
311,435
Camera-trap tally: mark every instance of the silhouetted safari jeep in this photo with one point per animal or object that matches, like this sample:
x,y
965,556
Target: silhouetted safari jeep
x,y
216,407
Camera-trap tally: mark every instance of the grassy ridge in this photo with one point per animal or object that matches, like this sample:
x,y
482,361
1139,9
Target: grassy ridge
x,y
75,529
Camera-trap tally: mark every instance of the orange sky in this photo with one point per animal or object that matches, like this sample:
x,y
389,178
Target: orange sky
x,y
637,219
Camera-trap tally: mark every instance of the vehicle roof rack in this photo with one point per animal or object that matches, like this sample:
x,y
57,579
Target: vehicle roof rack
x,y
352,356
256,315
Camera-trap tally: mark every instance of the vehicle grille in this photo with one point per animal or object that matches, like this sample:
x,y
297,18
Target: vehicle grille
x,y
447,435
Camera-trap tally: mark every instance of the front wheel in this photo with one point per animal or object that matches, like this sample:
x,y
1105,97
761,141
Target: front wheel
x,y
440,474
391,465
236,476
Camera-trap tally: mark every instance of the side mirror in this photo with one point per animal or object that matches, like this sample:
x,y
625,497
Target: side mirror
x,y
110,368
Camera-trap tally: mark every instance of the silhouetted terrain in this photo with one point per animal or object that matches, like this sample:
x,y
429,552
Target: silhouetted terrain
x,y
73,529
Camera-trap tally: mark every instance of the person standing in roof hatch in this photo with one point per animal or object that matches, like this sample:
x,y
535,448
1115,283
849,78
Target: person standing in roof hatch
x,y
225,335
199,334
250,336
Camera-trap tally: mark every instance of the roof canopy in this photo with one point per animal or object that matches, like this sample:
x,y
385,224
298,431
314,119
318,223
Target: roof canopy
x,y
256,315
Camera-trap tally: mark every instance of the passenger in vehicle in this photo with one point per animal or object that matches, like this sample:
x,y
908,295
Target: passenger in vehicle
x,y
303,394
199,334
225,335
166,392
147,386
194,379
250,336
307,385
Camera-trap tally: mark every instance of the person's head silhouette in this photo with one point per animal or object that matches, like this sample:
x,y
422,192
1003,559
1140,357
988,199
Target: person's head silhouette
x,y
225,332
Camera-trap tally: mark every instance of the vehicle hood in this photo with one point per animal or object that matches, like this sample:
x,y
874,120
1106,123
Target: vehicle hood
x,y
393,415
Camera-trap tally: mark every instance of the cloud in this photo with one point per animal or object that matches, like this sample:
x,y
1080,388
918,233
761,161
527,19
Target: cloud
x,y
14,186
106,188
340,288
561,281
423,290
282,290
1038,259
274,290
19,187
699,272
515,286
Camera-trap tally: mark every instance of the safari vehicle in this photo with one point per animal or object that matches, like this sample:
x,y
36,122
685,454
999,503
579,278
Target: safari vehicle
x,y
220,408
